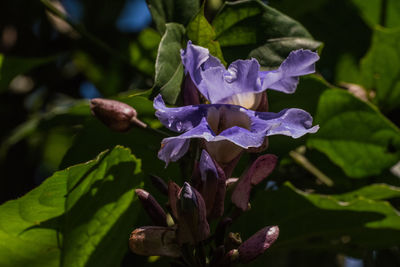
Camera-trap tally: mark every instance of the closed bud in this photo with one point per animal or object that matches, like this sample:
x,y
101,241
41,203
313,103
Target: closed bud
x,y
212,185
154,241
258,171
114,114
151,206
258,243
192,221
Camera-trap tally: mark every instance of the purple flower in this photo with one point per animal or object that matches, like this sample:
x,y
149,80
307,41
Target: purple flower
x,y
225,129
242,83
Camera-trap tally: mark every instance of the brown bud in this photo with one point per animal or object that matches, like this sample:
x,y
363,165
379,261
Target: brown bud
x,y
154,241
116,115
192,221
211,184
151,206
258,243
259,170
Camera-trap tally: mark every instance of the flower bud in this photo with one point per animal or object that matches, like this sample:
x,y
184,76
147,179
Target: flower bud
x,y
151,206
259,170
212,185
192,222
154,241
116,115
258,243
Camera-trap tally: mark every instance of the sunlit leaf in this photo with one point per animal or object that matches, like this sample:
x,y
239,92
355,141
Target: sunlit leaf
x,y
169,68
87,210
201,33
355,135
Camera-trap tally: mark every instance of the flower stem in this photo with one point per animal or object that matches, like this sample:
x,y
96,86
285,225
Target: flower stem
x,y
306,164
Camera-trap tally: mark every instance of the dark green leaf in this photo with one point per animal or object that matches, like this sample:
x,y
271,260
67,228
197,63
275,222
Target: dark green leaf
x,y
169,69
374,192
380,68
275,50
371,12
12,66
313,221
164,11
354,135
241,27
86,210
201,33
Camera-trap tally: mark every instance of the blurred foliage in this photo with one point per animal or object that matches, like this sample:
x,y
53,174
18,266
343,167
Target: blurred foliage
x,y
82,215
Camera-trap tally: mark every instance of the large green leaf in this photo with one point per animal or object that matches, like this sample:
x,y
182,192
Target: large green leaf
x,y
355,135
380,68
12,66
323,222
169,68
251,28
371,11
201,33
180,11
86,210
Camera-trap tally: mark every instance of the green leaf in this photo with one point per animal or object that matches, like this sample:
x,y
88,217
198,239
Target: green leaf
x,y
374,192
380,68
86,210
180,11
323,222
169,69
99,211
275,50
251,28
201,33
371,12
354,135
10,67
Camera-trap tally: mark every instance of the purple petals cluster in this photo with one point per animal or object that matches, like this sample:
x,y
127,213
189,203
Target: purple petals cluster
x,y
228,125
243,78
224,125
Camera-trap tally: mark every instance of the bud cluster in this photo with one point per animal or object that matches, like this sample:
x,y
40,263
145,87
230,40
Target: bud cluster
x,y
182,229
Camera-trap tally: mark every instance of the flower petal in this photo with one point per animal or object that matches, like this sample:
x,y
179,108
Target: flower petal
x,y
213,80
193,120
286,77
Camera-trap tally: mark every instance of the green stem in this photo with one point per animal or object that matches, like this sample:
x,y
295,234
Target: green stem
x,y
306,164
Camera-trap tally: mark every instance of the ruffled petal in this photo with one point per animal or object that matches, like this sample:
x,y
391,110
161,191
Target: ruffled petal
x,y
173,148
286,77
192,120
216,83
